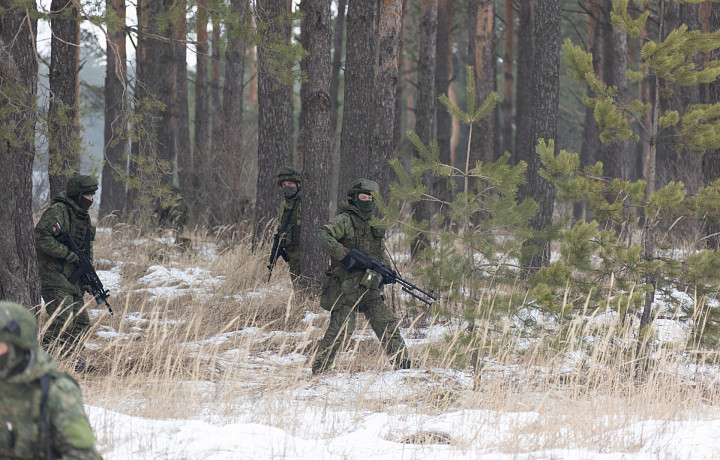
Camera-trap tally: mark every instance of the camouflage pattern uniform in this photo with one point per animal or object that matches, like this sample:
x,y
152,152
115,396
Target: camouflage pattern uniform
x,y
347,292
290,212
41,410
56,264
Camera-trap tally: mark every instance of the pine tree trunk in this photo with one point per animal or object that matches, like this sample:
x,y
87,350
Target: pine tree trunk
x,y
275,141
615,156
194,176
508,56
443,75
234,166
113,198
545,83
711,160
317,107
398,123
18,80
338,34
215,102
591,131
359,98
64,137
425,109
524,143
386,78
481,56
181,110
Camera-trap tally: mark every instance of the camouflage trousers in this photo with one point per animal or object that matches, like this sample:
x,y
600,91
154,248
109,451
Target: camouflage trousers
x,y
294,266
69,325
342,324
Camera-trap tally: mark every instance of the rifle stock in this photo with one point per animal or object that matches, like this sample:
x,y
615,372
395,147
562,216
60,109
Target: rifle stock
x,y
86,272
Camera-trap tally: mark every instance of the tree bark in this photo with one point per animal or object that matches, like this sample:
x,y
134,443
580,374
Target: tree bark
x,y
615,157
425,109
215,102
192,178
359,99
113,198
180,116
234,166
386,80
338,34
481,56
546,83
508,56
443,76
275,141
711,160
524,144
18,80
317,107
64,137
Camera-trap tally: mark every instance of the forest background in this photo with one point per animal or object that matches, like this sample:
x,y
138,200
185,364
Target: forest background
x,y
475,104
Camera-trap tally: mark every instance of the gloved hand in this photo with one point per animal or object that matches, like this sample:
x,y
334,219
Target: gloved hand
x,y
391,278
349,262
72,258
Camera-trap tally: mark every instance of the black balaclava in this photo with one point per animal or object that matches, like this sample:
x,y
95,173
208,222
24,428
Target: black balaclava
x,y
290,192
363,206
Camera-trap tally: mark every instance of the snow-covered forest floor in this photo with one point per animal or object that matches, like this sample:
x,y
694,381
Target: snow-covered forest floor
x,y
204,359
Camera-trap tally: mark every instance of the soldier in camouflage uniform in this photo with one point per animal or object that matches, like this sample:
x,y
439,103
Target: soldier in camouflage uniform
x,y
350,289
289,220
173,216
68,213
41,410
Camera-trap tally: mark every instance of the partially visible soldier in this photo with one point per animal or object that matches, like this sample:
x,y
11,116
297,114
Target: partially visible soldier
x,y
351,289
289,221
41,410
174,216
56,262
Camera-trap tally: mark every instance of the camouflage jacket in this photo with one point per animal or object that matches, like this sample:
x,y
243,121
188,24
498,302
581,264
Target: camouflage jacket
x,y
351,228
23,431
173,216
291,234
64,215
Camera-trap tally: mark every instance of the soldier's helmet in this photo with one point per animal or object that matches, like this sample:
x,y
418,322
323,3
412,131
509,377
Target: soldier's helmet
x,y
17,326
81,184
363,186
288,174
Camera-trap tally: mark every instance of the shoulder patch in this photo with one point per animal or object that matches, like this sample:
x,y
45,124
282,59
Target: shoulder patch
x,y
56,226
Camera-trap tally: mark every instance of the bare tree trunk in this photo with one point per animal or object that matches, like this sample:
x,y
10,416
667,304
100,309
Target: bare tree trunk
x,y
215,102
113,198
546,83
443,76
711,160
398,131
481,56
524,144
180,110
359,100
317,106
275,141
65,144
386,78
425,109
233,168
508,56
615,156
338,33
18,80
190,180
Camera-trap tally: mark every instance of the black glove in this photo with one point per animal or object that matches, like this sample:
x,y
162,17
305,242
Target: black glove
x,y
390,278
349,262
72,258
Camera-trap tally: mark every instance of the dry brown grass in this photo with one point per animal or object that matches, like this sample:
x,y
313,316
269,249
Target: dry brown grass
x,y
240,351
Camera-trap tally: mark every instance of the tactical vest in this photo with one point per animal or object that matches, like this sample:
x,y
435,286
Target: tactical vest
x,y
291,236
24,428
81,231
362,236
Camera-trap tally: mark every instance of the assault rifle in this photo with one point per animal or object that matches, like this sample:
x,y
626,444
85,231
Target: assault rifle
x,y
357,258
86,272
277,251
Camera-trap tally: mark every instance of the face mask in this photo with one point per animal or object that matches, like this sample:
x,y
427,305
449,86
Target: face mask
x,y
289,191
85,203
3,363
14,361
364,206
